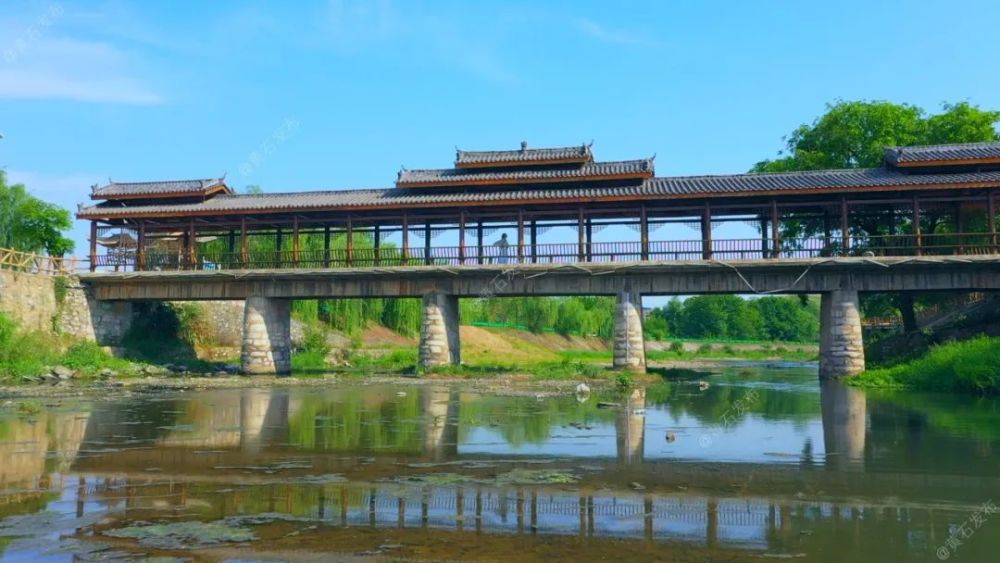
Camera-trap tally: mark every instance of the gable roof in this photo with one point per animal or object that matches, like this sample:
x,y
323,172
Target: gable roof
x,y
956,153
164,188
524,156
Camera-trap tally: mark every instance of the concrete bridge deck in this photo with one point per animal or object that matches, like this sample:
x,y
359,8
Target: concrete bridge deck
x,y
811,275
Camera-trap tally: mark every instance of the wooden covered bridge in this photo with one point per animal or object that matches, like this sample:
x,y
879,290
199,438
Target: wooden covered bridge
x,y
555,221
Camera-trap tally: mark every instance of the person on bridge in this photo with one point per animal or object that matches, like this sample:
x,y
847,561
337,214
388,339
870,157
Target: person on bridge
x,y
504,247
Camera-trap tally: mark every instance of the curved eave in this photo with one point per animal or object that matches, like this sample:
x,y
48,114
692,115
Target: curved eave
x,y
188,211
158,195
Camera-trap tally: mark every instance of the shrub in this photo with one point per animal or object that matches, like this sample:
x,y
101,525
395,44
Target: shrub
x,y
677,347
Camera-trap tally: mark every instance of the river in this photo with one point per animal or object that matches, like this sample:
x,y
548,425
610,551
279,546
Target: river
x,y
745,464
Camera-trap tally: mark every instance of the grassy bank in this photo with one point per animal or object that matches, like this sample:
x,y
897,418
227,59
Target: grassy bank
x,y
967,366
26,355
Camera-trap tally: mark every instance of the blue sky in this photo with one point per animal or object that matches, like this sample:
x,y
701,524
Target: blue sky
x,y
179,89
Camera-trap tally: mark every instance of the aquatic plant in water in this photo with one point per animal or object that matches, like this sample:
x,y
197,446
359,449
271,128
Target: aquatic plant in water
x,y
184,535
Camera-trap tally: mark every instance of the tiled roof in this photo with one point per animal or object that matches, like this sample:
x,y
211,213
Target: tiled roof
x,y
579,153
138,189
652,188
458,176
926,153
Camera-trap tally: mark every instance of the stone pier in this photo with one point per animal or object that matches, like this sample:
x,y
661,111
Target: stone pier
x,y
439,342
629,345
267,340
841,350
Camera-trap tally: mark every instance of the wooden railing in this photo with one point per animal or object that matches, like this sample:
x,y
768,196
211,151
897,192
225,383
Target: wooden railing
x,y
36,264
556,253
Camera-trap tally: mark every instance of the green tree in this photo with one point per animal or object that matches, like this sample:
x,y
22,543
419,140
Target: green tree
x,y
29,224
787,319
854,134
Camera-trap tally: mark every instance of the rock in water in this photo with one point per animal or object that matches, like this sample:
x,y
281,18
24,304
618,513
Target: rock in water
x,y
582,389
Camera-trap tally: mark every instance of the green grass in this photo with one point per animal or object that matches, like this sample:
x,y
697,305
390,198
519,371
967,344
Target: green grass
x,y
27,354
968,366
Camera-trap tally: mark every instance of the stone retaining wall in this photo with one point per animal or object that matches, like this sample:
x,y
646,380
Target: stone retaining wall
x,y
28,299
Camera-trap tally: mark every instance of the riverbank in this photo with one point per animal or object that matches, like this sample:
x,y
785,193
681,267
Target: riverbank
x,y
970,366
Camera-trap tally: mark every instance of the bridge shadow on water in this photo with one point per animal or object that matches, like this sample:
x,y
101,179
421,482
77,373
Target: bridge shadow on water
x,y
754,465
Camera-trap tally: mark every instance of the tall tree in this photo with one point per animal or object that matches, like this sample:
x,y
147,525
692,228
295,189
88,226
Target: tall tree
x,y
29,224
853,134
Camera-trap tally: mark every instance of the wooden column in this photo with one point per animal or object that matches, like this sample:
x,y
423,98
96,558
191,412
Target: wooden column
x,y
279,247
93,245
295,241
377,244
520,236
764,249
534,241
590,239
706,233
427,242
231,249
775,230
244,244
349,243
192,245
643,233
918,241
581,237
326,246
406,238
991,219
827,232
845,228
479,242
461,237
960,227
140,248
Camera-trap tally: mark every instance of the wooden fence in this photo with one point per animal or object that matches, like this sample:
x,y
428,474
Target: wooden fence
x,y
36,264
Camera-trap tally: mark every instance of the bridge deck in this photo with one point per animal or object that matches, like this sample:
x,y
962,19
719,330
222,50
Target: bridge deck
x,y
810,275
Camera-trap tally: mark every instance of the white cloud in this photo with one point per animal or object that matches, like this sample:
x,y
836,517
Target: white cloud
x,y
611,35
37,63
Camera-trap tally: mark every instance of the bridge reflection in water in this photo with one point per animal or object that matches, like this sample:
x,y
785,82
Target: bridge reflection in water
x,y
370,458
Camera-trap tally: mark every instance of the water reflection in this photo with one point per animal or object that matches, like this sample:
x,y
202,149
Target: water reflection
x,y
823,471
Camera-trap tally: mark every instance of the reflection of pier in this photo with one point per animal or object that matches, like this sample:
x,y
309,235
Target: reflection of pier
x,y
630,427
844,425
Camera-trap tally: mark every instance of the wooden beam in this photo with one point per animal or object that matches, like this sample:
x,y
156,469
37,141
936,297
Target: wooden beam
x,y
775,230
706,232
918,241
643,233
520,235
590,239
461,237
845,228
377,243
764,246
581,235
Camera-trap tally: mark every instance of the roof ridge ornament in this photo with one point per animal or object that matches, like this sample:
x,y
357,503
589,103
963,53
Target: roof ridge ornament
x,y
524,146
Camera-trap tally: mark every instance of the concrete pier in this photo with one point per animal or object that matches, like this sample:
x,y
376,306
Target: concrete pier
x,y
267,340
629,345
841,350
439,341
